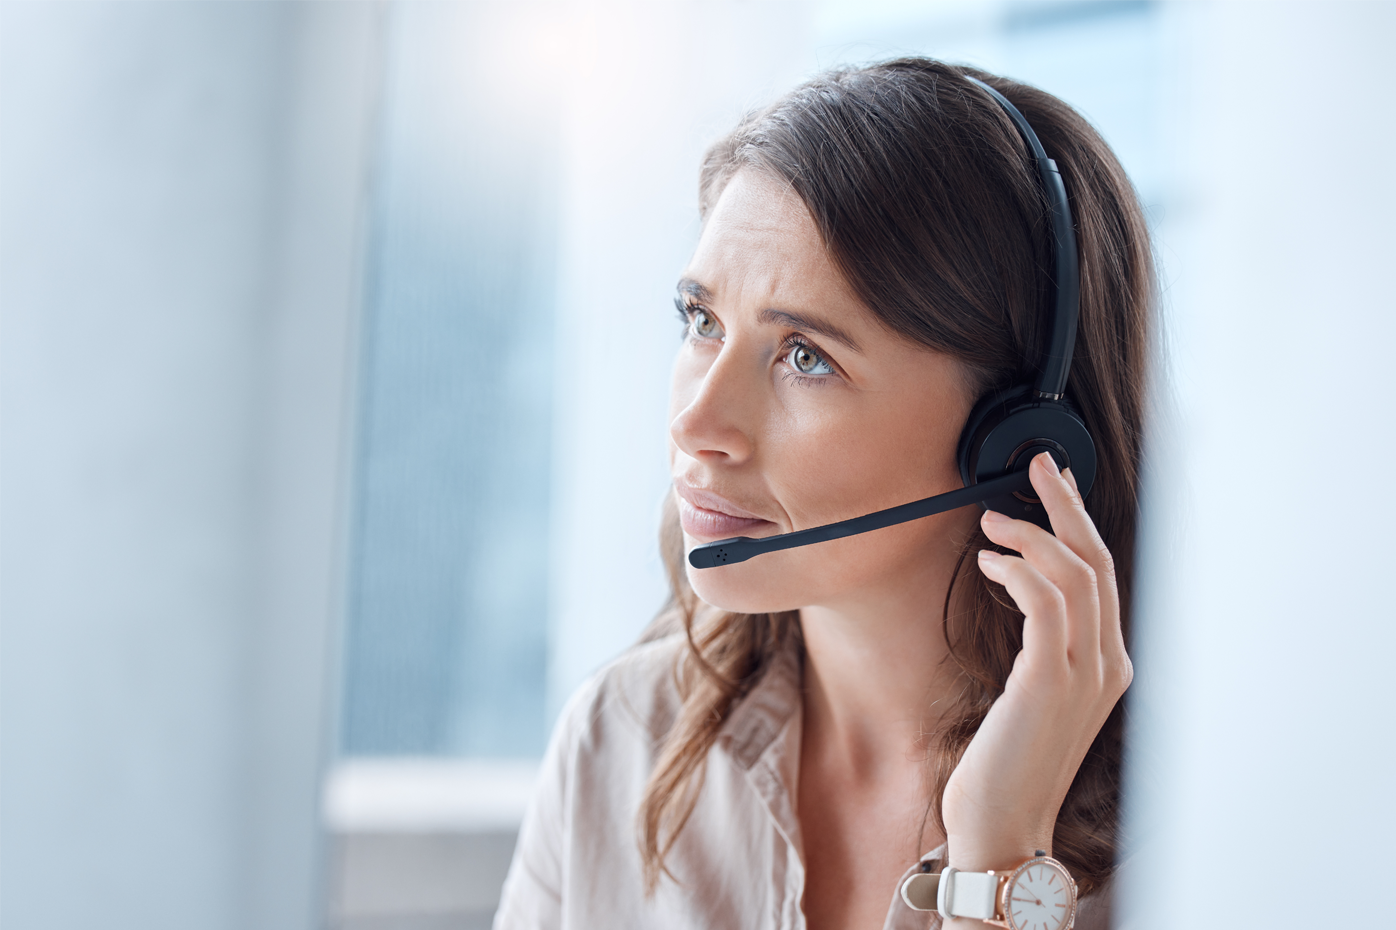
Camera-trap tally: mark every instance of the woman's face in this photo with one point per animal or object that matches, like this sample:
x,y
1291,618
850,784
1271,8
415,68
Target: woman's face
x,y
793,406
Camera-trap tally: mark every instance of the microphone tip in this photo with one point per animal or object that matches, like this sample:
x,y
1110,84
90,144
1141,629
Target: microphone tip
x,y
704,557
711,555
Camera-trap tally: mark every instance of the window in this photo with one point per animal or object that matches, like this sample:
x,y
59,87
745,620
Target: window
x,y
446,651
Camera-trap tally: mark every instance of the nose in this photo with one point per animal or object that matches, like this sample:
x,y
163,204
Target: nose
x,y
715,408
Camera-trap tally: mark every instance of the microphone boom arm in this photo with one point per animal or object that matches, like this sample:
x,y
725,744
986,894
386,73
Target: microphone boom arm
x,y
741,548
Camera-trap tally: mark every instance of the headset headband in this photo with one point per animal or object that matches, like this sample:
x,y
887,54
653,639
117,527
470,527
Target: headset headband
x,y
1066,281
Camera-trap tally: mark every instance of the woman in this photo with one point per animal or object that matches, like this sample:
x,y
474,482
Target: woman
x,y
798,729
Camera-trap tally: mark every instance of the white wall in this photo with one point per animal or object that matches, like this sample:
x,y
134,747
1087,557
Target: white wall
x,y
179,196
1263,755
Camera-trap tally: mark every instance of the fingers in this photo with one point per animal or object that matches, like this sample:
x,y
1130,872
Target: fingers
x,y
1062,500
1044,609
1090,547
1067,512
1074,580
1076,560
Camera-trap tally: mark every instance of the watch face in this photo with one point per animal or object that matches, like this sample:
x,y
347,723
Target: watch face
x,y
1039,897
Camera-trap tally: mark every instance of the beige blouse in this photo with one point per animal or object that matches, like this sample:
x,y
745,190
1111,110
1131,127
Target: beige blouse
x,y
739,859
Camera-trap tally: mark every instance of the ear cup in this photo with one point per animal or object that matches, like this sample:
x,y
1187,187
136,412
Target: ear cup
x,y
1006,430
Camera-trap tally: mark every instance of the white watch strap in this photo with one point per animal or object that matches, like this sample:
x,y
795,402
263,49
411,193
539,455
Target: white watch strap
x,y
919,891
967,894
953,893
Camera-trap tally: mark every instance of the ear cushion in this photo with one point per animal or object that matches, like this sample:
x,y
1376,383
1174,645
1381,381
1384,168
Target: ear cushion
x,y
1006,430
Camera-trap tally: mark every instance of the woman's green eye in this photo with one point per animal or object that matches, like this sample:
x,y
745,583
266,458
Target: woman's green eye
x,y
703,324
808,362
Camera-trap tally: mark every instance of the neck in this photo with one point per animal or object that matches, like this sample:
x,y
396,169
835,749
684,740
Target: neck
x,y
876,675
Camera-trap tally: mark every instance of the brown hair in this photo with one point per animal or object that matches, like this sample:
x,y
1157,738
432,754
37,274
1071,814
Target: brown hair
x,y
928,201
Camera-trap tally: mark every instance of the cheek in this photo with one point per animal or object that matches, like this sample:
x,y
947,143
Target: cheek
x,y
825,469
831,468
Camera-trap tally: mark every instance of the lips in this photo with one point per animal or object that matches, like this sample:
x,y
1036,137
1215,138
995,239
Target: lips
x,y
708,516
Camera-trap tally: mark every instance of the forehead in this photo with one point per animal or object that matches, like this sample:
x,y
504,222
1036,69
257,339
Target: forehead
x,y
761,246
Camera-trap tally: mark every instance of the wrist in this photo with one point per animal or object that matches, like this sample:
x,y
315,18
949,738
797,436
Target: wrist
x,y
982,853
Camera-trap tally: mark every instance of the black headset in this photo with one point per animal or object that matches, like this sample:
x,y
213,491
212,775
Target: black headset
x,y
1005,430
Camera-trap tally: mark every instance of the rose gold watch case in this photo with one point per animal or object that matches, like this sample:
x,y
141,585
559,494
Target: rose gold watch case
x,y
1004,917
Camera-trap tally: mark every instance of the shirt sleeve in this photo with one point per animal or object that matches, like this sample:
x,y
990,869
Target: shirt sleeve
x,y
532,895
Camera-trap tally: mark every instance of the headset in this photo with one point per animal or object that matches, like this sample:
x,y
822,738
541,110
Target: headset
x,y
1006,429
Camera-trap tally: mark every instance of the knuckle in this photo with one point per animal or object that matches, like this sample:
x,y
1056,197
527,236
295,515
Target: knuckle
x,y
1105,559
1085,575
1049,670
1075,498
1120,674
1009,566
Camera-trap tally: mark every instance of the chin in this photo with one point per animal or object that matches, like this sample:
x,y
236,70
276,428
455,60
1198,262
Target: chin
x,y
770,583
731,588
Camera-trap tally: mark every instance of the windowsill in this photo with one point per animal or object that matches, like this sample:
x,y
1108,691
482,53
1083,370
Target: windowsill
x,y
428,795
422,843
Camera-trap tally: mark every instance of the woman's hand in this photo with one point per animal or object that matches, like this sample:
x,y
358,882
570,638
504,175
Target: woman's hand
x,y
1002,801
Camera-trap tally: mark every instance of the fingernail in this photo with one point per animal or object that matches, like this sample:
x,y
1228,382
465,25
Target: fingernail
x,y
993,516
1050,464
986,555
1071,479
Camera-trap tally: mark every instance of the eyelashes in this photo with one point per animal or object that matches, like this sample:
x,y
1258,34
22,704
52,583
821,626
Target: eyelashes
x,y
804,362
700,324
805,358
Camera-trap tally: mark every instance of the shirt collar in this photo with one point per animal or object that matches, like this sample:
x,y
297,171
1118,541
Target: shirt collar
x,y
762,737
767,709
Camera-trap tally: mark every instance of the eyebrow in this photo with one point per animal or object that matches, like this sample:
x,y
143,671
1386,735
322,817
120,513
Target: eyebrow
x,y
809,325
688,287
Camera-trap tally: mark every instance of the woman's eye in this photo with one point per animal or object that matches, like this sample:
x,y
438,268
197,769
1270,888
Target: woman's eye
x,y
808,362
701,323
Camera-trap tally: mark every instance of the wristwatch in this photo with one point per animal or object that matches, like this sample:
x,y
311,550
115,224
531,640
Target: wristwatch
x,y
1038,895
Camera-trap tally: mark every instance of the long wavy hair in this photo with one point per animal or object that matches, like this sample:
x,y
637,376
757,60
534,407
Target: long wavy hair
x,y
928,201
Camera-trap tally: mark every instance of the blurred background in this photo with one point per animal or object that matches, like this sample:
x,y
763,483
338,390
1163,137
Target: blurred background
x,y
334,348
